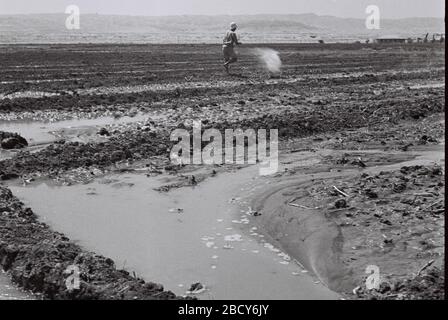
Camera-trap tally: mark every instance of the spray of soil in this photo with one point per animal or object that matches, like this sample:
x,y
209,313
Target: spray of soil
x,y
269,58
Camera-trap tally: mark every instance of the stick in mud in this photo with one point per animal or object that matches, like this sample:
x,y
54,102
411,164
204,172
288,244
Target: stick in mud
x,y
340,192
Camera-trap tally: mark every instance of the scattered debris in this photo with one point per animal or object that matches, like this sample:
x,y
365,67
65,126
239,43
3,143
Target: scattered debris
x,y
425,267
196,288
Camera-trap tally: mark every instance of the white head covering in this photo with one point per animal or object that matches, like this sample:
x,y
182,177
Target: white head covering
x,y
233,25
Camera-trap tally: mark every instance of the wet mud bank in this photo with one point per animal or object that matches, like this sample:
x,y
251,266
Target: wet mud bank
x,y
306,235
145,141
338,223
36,258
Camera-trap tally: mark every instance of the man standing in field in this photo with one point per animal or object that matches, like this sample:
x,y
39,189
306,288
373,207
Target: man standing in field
x,y
230,40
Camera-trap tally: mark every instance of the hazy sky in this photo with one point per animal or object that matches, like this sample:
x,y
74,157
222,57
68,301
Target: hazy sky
x,y
340,8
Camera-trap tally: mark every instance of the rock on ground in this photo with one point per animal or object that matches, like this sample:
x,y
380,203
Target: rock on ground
x,y
12,141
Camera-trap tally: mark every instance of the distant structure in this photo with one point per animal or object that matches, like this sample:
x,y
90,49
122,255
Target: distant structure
x,y
436,37
390,39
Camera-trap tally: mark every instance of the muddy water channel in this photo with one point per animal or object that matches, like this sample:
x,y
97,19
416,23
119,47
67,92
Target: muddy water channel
x,y
201,234
41,132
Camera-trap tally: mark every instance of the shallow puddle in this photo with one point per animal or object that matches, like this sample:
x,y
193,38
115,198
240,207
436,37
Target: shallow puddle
x,y
189,235
39,132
